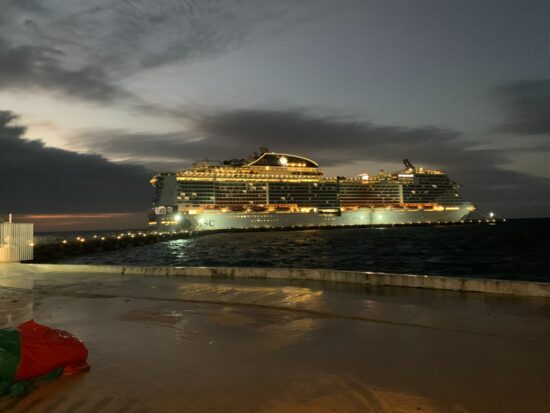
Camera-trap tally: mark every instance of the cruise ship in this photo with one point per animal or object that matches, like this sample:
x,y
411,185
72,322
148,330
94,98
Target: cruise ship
x,y
280,190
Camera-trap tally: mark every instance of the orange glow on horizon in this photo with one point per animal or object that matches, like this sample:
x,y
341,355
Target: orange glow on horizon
x,y
87,221
108,215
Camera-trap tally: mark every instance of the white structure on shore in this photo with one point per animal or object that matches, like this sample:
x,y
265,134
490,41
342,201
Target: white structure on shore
x,y
16,241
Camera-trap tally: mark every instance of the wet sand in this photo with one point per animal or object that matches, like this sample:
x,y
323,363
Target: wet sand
x,y
197,345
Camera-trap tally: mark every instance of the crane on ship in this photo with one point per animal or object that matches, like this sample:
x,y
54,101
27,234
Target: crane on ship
x,y
409,165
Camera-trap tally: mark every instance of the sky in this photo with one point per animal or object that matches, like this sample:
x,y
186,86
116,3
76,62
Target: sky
x,y
96,96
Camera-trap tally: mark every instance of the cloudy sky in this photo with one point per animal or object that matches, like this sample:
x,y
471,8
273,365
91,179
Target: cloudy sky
x,y
96,95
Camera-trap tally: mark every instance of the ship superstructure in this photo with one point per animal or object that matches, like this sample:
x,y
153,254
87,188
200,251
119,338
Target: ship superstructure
x,y
278,190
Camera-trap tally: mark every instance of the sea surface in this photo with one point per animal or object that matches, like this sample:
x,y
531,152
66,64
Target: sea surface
x,y
515,249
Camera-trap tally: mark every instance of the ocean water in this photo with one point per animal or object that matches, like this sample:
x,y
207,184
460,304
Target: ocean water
x,y
515,249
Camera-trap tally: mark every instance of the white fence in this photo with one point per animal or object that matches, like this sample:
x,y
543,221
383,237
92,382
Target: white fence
x,y
16,242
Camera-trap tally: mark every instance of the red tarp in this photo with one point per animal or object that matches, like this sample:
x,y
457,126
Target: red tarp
x,y
44,349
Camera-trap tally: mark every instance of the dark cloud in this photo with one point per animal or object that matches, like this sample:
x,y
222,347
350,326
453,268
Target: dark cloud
x,y
30,67
337,143
526,106
144,34
332,140
84,49
38,179
32,6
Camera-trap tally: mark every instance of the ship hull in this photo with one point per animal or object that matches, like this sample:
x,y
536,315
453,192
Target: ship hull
x,y
216,221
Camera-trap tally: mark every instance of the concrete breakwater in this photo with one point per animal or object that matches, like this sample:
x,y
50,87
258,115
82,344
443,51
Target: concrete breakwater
x,y
460,284
53,249
60,248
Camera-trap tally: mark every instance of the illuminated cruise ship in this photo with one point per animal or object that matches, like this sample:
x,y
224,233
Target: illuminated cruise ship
x,y
279,190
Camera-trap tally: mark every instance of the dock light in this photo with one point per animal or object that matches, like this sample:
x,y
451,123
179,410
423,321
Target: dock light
x,y
491,214
177,217
64,241
102,238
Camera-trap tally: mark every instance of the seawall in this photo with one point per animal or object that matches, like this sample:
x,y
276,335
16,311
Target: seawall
x,y
460,284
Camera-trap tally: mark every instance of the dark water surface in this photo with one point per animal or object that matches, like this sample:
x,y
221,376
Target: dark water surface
x,y
516,249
